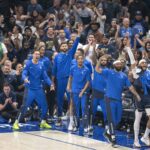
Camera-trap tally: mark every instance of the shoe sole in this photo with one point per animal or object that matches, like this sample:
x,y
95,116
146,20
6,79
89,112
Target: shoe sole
x,y
134,146
115,146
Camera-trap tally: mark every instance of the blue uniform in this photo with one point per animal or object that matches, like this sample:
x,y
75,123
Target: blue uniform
x,y
98,92
61,71
115,83
46,63
36,73
80,76
86,63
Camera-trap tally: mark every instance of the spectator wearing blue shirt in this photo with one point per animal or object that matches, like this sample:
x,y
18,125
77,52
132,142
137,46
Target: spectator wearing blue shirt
x,y
139,27
107,47
34,6
116,80
125,31
61,70
62,25
79,81
33,75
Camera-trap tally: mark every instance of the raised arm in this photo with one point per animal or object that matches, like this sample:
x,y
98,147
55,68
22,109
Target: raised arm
x,y
97,68
130,53
76,42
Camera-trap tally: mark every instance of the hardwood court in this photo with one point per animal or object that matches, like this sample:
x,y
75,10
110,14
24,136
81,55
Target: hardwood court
x,y
50,140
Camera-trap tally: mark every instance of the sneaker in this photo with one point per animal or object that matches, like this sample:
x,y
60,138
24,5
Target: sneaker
x,y
45,125
59,122
113,141
107,136
74,129
16,126
136,144
145,141
85,130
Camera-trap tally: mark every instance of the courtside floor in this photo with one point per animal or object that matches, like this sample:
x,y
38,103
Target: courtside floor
x,y
30,137
50,140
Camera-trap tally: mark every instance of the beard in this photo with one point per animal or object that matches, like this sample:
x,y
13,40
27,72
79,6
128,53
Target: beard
x,y
118,68
103,65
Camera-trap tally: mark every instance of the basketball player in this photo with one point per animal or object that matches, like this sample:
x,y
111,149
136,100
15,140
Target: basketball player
x,y
33,75
116,80
142,85
79,81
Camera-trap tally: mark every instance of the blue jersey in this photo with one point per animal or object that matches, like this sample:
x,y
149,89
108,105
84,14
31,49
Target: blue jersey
x,y
86,63
35,73
115,83
124,31
80,76
99,82
62,62
145,80
46,63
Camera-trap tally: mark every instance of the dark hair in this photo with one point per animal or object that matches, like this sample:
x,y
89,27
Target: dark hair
x,y
69,41
91,34
148,42
40,47
28,28
6,84
74,31
18,28
81,50
63,43
122,46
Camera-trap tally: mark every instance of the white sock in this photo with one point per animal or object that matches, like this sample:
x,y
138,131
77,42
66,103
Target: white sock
x,y
71,119
43,121
106,127
146,134
108,131
138,116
